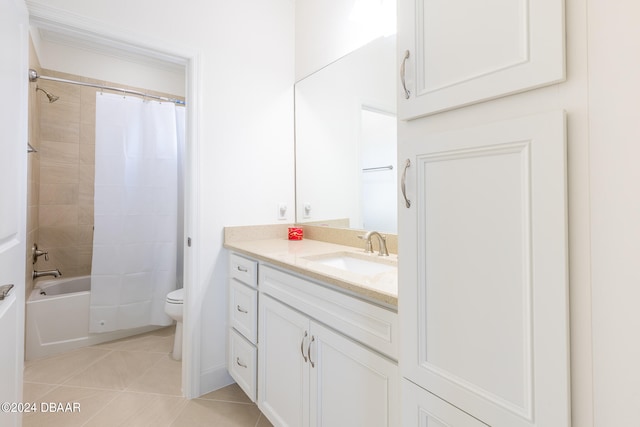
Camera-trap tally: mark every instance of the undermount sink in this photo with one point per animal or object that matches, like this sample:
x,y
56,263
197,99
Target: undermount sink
x,y
355,263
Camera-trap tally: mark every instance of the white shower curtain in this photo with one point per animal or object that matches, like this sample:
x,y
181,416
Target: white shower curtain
x,y
136,211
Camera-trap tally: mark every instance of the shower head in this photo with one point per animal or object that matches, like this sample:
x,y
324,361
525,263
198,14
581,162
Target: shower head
x,y
52,98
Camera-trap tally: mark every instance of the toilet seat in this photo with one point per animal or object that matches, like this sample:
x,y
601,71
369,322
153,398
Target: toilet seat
x,y
176,297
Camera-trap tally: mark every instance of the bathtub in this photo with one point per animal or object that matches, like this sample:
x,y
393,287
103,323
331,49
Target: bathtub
x,y
57,318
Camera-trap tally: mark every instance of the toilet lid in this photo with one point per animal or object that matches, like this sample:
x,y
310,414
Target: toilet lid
x,y
176,297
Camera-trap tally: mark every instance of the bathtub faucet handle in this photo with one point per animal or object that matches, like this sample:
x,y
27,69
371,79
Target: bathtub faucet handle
x,y
36,253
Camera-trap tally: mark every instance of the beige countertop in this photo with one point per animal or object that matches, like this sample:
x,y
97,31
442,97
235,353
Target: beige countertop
x,y
298,256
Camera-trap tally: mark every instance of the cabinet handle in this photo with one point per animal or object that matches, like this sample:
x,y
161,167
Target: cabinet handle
x,y
242,365
403,187
241,310
313,365
242,269
407,92
302,346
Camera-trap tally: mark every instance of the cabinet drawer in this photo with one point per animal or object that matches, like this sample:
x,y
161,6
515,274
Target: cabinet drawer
x,y
243,269
243,310
243,363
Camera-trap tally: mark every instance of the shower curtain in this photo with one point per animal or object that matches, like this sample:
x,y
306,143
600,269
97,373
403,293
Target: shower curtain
x,y
135,211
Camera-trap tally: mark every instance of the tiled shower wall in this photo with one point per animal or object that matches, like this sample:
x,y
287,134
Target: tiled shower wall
x,y
66,178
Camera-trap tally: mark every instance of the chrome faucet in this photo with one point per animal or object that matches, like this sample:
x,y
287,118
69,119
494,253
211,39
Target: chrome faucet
x,y
54,273
382,241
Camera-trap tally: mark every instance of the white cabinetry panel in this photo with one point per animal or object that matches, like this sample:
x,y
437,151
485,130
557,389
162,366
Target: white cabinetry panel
x,y
351,385
465,51
484,307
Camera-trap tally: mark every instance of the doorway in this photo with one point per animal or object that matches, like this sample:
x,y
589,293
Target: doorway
x,y
103,39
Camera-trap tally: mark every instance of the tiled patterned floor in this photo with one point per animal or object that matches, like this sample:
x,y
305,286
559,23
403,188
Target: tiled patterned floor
x,y
129,382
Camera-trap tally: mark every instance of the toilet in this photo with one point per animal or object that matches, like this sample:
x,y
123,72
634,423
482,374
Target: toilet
x,y
173,308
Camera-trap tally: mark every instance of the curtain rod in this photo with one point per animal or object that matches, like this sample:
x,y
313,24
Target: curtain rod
x,y
34,76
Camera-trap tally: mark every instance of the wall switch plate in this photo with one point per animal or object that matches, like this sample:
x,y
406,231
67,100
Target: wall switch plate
x,y
282,211
307,210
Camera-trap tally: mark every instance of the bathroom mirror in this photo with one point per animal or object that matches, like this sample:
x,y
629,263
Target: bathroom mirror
x,y
345,125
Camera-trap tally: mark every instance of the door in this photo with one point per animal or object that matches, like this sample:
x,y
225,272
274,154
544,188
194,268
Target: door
x,y
283,368
350,384
13,182
466,51
483,283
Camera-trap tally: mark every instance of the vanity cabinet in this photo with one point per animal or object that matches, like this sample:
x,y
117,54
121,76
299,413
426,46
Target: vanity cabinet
x,y
458,53
242,358
484,306
311,375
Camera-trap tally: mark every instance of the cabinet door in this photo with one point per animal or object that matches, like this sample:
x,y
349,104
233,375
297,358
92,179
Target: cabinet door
x,y
465,51
483,282
350,384
283,374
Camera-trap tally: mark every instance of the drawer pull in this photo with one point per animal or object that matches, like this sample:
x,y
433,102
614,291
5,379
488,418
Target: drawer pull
x,y
241,310
242,269
242,365
302,346
313,365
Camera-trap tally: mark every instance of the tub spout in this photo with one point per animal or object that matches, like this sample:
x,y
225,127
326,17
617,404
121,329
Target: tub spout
x,y
54,273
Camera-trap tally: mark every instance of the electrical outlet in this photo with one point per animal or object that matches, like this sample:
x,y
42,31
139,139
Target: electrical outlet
x,y
282,211
307,210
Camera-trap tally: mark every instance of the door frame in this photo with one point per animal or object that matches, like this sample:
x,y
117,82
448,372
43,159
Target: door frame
x,y
191,58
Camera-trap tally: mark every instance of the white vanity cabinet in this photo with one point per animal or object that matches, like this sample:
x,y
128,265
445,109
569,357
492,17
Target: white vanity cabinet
x,y
242,359
467,51
311,375
483,285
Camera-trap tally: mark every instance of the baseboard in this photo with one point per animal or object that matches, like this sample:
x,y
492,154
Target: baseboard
x,y
214,378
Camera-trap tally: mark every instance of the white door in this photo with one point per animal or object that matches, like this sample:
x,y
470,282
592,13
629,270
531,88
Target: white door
x,y
483,280
350,384
466,51
283,364
13,180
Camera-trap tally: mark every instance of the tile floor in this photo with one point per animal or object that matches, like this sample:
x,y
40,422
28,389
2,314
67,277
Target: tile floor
x,y
129,382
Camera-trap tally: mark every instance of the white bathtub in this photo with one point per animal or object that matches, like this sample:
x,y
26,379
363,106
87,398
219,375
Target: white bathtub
x,y
57,318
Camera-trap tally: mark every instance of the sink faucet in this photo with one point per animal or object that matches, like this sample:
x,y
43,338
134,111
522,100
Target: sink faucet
x,y
54,273
382,241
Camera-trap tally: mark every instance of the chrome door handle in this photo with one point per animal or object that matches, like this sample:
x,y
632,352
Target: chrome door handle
x,y
241,310
403,187
313,365
242,365
302,346
4,291
407,92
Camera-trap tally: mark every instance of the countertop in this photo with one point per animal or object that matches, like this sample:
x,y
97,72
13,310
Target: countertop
x,y
294,256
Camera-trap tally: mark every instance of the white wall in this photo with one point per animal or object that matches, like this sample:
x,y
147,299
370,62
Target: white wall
x,y
329,29
614,113
69,56
245,161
